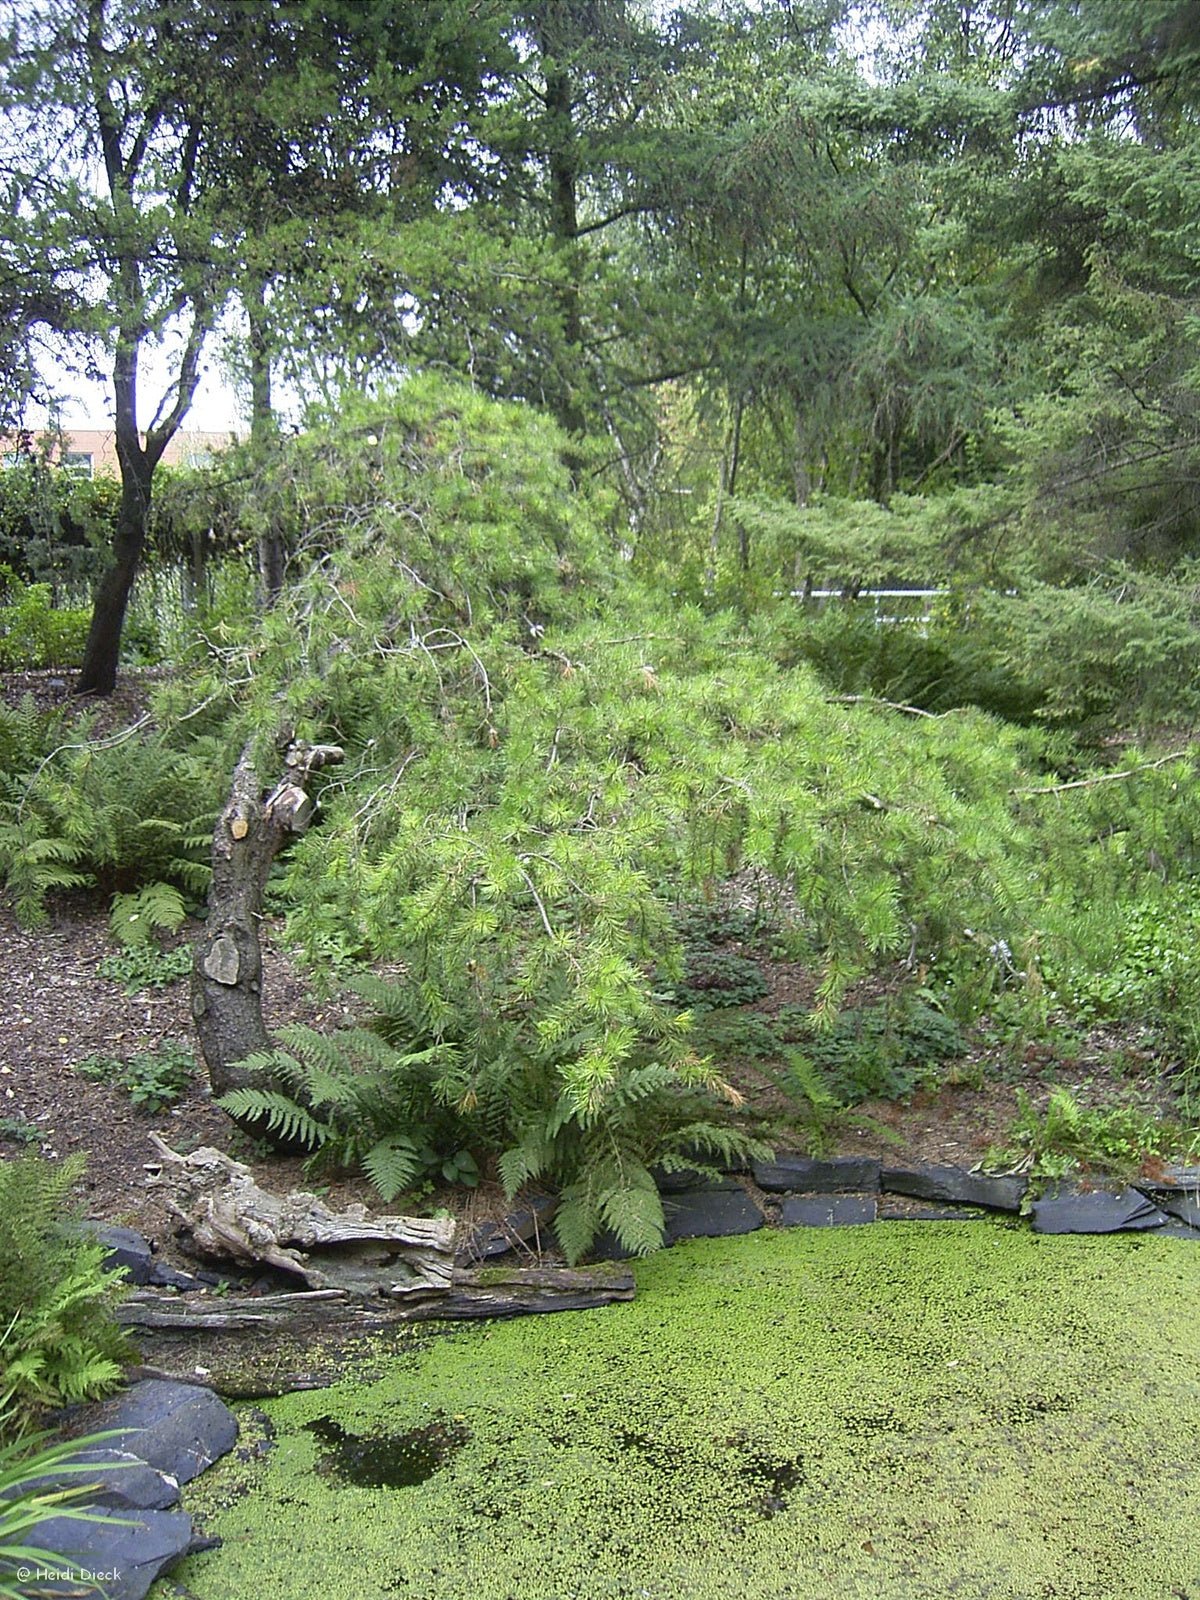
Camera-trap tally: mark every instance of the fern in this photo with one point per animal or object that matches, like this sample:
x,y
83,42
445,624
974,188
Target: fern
x,y
632,1208
35,866
351,1099
393,1165
135,917
282,1118
56,1298
123,814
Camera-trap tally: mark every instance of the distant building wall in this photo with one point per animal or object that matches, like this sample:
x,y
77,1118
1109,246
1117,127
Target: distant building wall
x,y
92,452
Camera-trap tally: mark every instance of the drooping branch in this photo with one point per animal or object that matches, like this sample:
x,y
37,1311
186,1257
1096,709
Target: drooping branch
x,y
1103,777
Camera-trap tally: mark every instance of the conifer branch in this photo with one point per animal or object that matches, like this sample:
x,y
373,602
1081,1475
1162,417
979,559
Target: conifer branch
x,y
1103,777
875,700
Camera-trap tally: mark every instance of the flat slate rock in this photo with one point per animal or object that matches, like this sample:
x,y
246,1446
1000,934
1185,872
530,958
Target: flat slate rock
x,y
520,1227
128,1251
1173,1179
710,1214
178,1428
123,1481
807,1175
685,1179
956,1185
827,1211
104,1558
1184,1208
1176,1230
898,1212
1096,1211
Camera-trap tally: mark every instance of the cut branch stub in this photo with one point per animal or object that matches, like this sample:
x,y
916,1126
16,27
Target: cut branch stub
x,y
227,973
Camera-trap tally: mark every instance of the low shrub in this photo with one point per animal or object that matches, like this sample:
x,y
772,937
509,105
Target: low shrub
x,y
33,631
153,1079
56,1297
883,1051
1067,1136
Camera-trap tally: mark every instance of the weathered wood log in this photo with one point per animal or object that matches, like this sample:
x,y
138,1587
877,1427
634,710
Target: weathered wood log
x,y
489,1292
225,1213
227,970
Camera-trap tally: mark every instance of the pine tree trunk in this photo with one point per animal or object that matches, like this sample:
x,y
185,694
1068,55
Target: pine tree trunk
x,y
262,436
227,971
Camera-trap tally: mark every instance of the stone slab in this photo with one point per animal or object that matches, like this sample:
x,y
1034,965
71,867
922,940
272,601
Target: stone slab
x,y
827,1211
1184,1208
897,1212
526,1224
956,1185
178,1428
127,1250
710,1214
809,1175
687,1179
118,1561
123,1481
1173,1179
1096,1211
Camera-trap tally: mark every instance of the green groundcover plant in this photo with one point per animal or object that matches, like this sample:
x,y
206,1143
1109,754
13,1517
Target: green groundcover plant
x,y
897,1412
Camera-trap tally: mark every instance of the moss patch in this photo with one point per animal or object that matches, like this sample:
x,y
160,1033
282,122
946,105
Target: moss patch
x,y
902,1412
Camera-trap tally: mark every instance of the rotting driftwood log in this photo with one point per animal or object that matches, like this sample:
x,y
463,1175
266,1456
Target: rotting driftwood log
x,y
227,971
361,1273
223,1212
492,1292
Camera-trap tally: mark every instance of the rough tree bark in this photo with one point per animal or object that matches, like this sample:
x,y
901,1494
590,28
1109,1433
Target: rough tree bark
x,y
227,970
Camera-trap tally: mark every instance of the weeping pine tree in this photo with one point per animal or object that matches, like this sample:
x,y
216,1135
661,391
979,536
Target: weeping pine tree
x,y
538,761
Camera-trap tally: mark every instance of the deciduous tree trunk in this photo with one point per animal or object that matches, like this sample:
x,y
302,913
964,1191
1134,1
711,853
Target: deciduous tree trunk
x,y
110,601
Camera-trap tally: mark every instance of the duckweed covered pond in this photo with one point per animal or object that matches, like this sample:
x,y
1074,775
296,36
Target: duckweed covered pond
x,y
901,1412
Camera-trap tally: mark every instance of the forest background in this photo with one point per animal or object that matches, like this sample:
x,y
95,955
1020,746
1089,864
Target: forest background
x,y
620,333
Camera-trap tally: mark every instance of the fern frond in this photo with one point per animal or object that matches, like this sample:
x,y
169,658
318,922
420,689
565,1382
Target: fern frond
x,y
525,1161
315,1049
576,1222
283,1117
392,1165
135,916
88,1379
634,1212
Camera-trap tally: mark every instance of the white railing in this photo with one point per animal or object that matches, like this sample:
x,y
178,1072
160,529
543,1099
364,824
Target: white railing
x,y
882,618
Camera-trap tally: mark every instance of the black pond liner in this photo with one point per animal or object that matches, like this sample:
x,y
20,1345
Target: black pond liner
x,y
387,1460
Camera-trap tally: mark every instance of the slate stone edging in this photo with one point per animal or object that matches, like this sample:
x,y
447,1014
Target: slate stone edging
x,y
1097,1211
843,1191
957,1186
164,1434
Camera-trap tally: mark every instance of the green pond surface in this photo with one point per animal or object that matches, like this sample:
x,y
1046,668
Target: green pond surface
x,y
903,1411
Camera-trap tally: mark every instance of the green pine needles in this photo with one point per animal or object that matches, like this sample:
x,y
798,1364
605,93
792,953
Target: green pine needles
x,y
543,764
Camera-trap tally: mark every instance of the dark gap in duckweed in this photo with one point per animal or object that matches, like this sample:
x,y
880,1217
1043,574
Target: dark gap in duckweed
x,y
387,1460
771,1478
